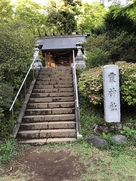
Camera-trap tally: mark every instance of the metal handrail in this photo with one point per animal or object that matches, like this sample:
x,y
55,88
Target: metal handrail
x,y
34,59
36,53
77,113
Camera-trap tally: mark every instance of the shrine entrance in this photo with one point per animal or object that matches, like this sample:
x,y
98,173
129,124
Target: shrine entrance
x,y
58,58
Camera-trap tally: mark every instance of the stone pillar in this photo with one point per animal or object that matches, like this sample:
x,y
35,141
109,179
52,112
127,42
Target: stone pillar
x,y
36,52
80,58
111,93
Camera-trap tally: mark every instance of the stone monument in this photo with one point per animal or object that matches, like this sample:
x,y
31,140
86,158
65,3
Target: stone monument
x,y
111,93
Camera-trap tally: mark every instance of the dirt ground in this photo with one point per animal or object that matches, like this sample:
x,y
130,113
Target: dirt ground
x,y
41,165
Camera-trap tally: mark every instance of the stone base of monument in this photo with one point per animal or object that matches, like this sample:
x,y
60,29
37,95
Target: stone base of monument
x,y
112,128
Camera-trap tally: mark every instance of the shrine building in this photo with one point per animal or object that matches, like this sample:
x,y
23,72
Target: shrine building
x,y
58,50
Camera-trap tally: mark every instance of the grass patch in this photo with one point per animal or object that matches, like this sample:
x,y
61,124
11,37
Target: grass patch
x,y
17,176
116,162
8,150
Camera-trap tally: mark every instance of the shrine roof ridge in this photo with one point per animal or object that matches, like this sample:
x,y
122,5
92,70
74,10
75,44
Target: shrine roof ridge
x,y
62,36
61,42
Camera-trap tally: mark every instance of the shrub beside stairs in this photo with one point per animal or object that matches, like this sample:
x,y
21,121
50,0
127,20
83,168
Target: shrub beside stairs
x,y
50,113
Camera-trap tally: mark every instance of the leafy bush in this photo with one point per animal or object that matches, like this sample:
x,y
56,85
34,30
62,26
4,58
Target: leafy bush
x,y
97,57
91,84
6,126
6,92
120,18
13,66
103,49
128,132
97,48
128,83
8,150
123,47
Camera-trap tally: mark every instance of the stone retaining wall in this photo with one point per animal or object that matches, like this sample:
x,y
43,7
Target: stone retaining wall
x,y
112,128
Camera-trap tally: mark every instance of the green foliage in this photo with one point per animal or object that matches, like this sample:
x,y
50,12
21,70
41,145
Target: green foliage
x,y
87,121
1,113
8,150
114,39
72,6
129,115
88,116
97,48
14,61
128,83
19,51
6,11
65,21
97,57
107,137
61,17
128,132
90,84
6,125
31,13
120,19
6,92
123,47
117,150
103,49
90,14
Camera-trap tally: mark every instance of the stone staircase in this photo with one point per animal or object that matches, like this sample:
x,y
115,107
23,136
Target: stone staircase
x,y
50,113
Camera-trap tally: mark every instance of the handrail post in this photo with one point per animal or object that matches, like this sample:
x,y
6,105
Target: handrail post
x,y
77,114
25,88
33,75
12,115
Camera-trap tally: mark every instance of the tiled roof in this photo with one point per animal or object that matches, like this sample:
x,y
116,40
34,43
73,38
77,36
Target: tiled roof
x,y
60,42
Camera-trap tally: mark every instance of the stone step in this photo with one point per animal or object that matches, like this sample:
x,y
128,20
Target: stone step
x,y
53,90
53,71
48,125
55,75
50,105
50,111
56,68
56,94
53,133
60,82
44,86
51,99
44,141
49,118
62,78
